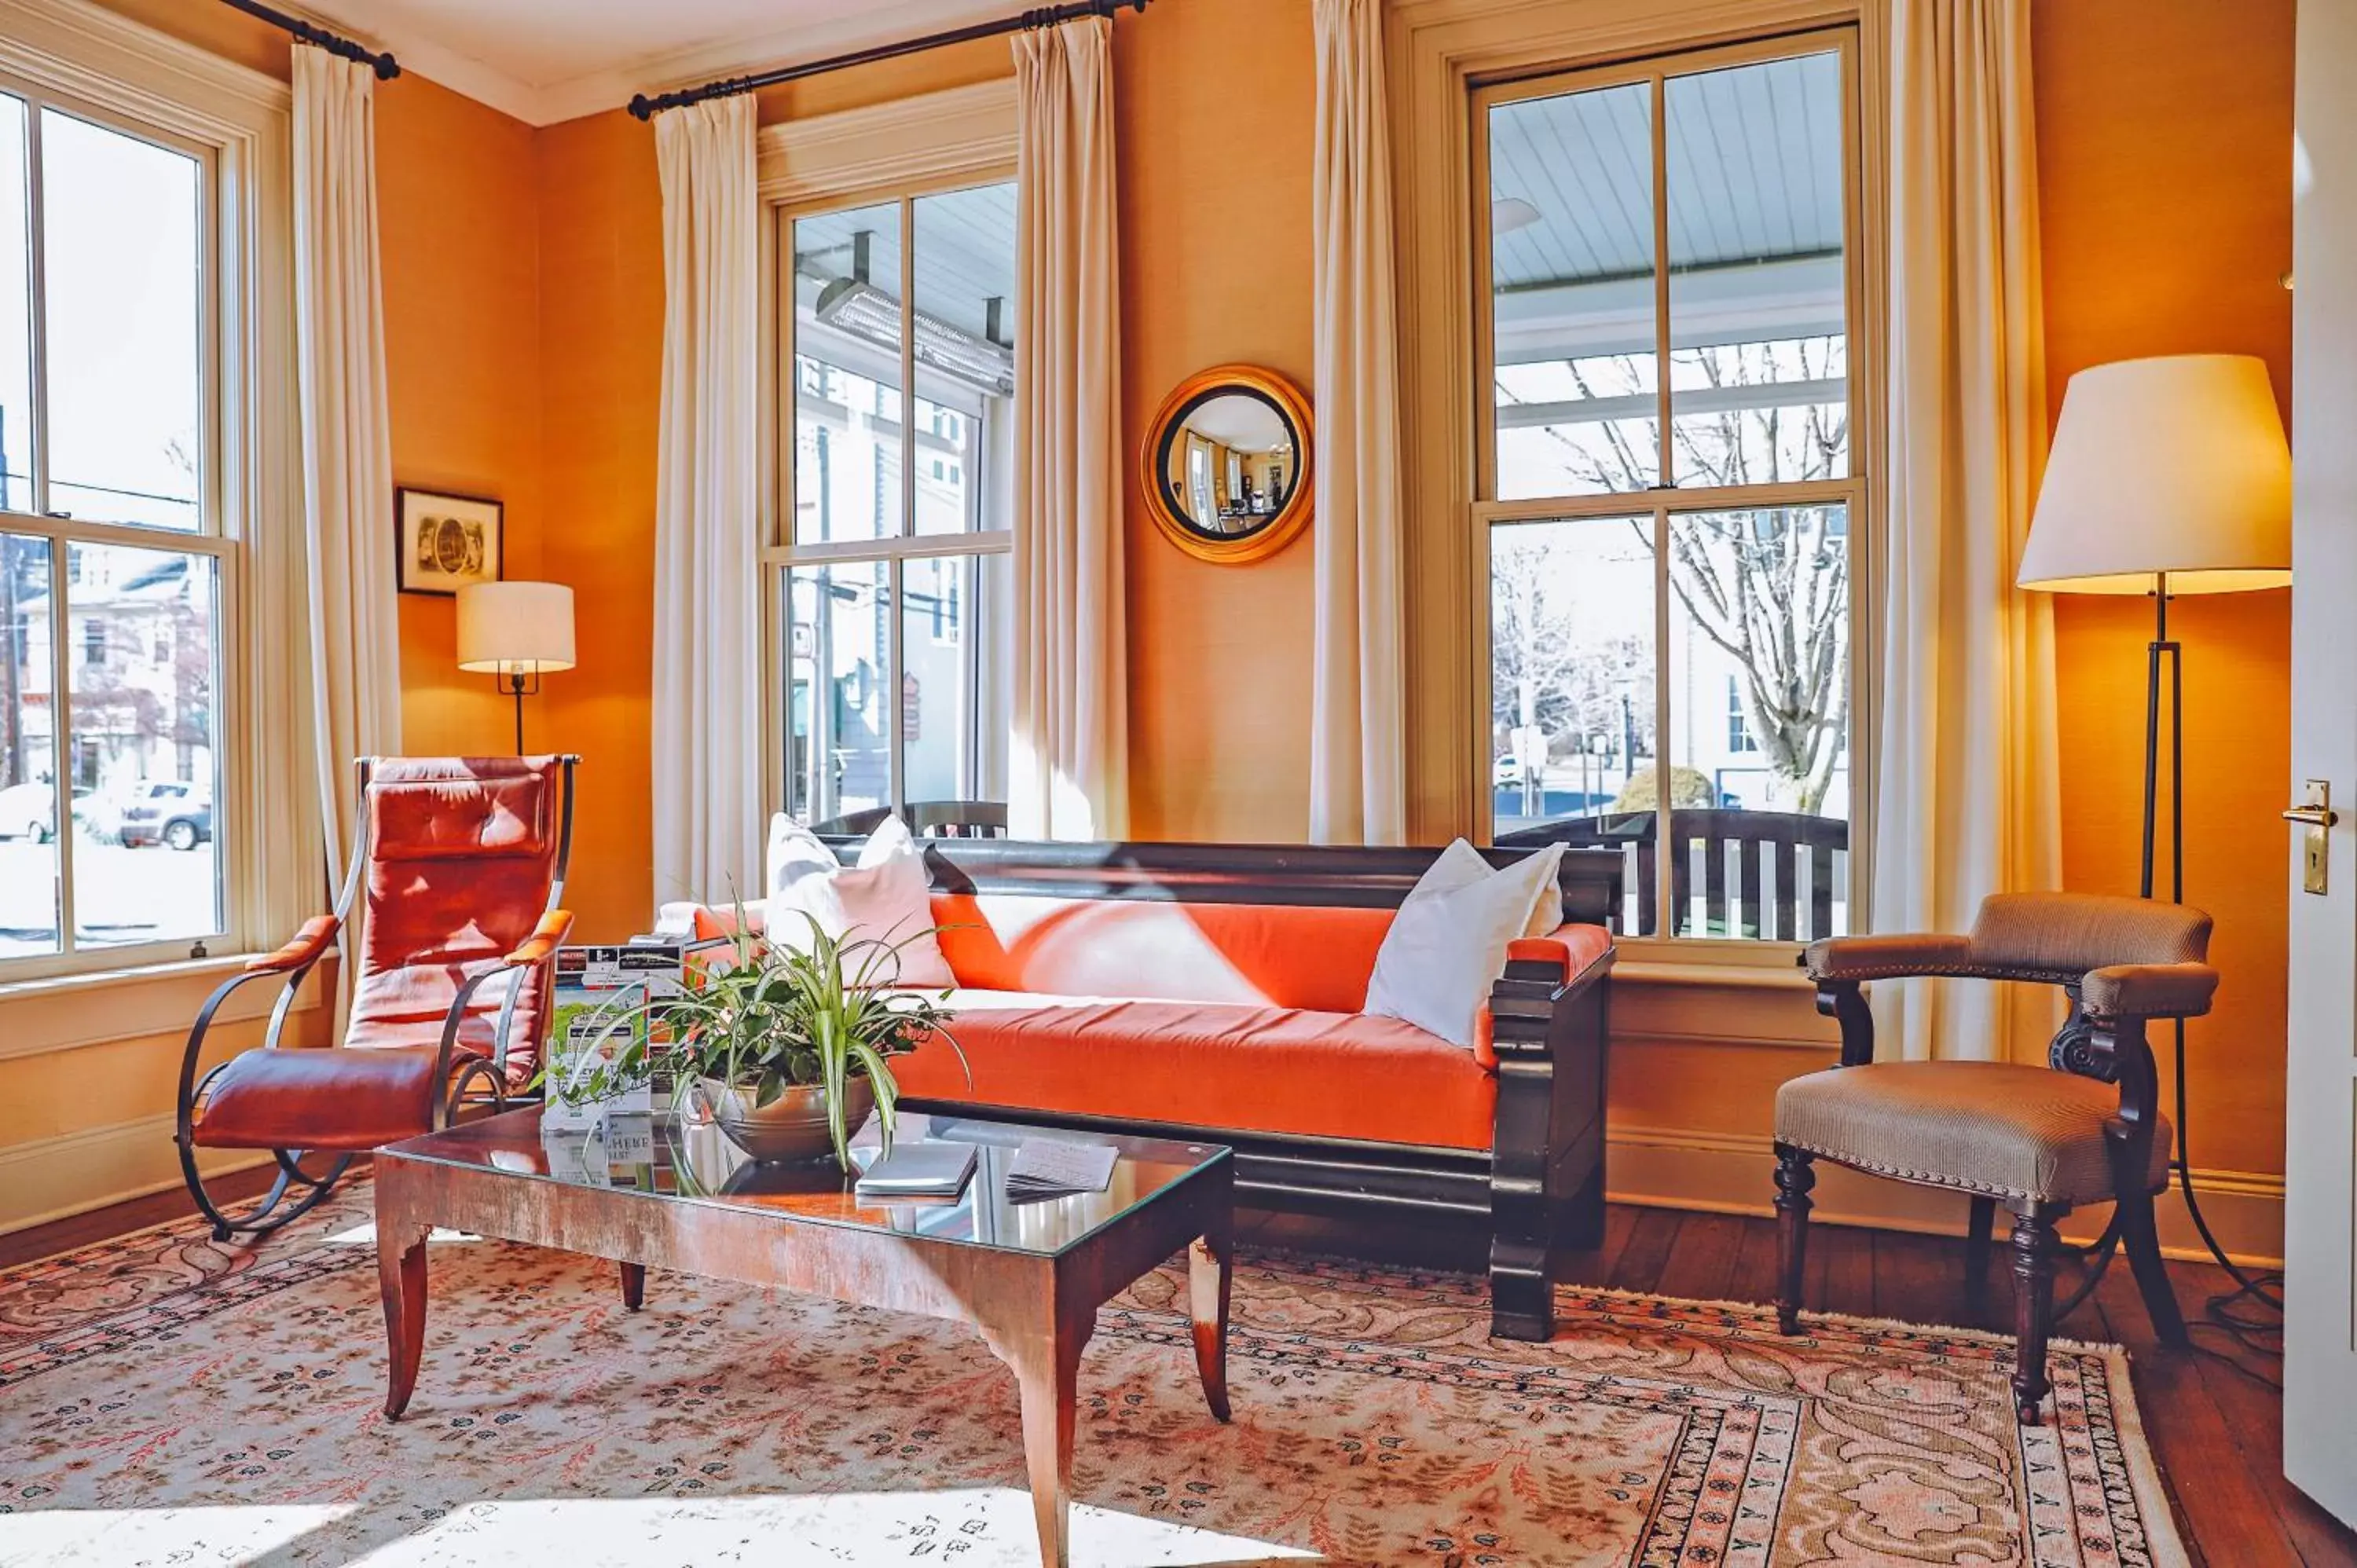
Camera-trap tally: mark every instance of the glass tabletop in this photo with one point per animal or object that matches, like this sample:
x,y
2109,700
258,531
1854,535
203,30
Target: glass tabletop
x,y
677,1158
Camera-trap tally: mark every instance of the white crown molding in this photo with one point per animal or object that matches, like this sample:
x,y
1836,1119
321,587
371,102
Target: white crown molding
x,y
594,92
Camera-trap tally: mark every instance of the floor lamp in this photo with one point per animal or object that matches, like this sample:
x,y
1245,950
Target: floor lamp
x,y
2168,475
518,631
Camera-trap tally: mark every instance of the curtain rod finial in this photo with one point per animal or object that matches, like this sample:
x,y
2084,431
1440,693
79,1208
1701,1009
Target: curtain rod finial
x,y
387,68
641,107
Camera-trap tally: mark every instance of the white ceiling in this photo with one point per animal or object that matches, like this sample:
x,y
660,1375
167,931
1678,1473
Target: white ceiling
x,y
545,60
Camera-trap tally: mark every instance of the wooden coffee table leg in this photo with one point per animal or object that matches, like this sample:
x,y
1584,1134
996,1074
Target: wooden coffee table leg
x,y
1046,1360
401,1279
634,1287
1210,1269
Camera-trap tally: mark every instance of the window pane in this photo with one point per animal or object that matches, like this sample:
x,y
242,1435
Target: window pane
x,y
1572,663
121,266
1759,680
839,691
965,359
1759,358
955,647
28,798
847,413
141,645
16,315
1571,266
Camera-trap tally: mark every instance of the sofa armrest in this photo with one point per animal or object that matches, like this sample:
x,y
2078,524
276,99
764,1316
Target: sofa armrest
x,y
1568,949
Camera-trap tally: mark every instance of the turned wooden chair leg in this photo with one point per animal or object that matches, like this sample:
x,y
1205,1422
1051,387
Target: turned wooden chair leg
x,y
2033,1304
1796,1175
1982,1228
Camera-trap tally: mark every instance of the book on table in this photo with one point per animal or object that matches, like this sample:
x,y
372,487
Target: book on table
x,y
918,1168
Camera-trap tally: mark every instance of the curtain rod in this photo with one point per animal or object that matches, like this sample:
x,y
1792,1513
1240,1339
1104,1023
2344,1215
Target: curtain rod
x,y
645,107
385,66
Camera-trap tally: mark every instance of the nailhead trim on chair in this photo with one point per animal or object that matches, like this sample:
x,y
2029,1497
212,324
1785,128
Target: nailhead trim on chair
x,y
1930,1178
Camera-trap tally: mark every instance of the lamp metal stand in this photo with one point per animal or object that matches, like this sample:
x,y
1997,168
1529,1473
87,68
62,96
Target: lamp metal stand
x,y
522,680
2166,649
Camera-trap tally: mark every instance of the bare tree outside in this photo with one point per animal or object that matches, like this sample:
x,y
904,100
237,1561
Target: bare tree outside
x,y
1769,586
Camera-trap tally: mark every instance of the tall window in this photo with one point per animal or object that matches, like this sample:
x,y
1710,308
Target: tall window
x,y
892,583
115,562
1669,478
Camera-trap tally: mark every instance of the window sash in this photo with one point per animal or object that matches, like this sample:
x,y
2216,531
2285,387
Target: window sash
x,y
781,553
211,539
1663,499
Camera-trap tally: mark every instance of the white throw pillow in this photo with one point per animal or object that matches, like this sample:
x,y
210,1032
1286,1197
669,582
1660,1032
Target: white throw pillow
x,y
1447,946
886,896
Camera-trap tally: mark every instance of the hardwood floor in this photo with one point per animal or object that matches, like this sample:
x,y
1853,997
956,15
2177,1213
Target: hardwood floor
x,y
2215,1425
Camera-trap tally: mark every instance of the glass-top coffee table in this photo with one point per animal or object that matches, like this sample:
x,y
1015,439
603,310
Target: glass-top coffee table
x,y
666,1193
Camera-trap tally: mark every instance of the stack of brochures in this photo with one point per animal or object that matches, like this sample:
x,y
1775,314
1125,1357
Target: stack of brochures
x,y
918,1168
1044,1169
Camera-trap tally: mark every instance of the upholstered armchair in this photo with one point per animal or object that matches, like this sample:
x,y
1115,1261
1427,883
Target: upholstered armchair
x,y
451,917
2085,1128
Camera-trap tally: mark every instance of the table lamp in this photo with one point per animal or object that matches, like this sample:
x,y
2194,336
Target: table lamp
x,y
2168,475
517,631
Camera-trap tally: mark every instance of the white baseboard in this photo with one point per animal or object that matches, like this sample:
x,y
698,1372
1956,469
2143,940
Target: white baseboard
x,y
73,1172
1731,1172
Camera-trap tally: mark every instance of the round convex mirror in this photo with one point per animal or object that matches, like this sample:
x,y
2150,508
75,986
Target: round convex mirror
x,y
1227,464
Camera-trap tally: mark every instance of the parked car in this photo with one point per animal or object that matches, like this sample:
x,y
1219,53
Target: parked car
x,y
28,811
165,811
1506,772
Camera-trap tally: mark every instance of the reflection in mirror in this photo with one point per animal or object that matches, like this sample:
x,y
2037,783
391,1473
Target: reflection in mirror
x,y
1230,464
1225,465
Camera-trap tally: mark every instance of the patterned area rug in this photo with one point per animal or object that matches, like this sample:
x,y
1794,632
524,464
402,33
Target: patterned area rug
x,y
163,1399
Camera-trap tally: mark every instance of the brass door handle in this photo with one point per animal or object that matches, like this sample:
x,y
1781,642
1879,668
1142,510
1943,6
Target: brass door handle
x,y
2312,816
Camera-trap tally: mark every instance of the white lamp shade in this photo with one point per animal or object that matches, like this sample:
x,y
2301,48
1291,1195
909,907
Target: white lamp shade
x,y
2174,464
525,627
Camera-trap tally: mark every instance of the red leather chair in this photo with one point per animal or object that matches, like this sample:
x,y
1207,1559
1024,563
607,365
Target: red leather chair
x,y
458,872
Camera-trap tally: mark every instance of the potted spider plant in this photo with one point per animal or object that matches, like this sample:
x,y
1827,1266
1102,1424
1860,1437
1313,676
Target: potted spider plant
x,y
790,1048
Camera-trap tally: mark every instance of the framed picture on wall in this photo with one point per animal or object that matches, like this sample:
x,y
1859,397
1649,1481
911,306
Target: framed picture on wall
x,y
445,542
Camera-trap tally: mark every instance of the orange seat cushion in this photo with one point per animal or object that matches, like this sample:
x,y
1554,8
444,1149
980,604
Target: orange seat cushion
x,y
315,1098
1272,1069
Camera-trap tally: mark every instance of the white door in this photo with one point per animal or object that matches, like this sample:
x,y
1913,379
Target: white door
x,y
2321,1340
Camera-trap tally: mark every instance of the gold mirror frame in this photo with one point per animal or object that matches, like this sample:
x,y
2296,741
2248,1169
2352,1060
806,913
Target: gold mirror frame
x,y
1289,520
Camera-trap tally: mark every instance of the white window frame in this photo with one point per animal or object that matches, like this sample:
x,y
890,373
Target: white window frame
x,y
1658,504
86,60
895,153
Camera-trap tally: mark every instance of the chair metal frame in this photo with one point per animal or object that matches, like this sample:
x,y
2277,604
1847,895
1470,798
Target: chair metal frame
x,y
294,961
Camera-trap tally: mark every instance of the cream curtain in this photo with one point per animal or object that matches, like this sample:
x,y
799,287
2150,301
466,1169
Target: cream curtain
x,y
355,636
1357,757
708,774
1967,793
1068,774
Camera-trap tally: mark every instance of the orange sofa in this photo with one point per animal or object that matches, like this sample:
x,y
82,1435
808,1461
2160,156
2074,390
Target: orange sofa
x,y
1213,992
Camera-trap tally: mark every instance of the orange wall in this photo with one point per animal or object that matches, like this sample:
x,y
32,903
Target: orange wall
x,y
457,210
2164,167
457,199
1215,103
601,308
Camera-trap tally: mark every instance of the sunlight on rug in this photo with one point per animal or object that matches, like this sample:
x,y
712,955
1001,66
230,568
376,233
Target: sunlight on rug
x,y
163,1400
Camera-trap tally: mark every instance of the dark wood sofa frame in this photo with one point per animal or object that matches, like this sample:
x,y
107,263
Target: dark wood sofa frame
x,y
1539,1187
